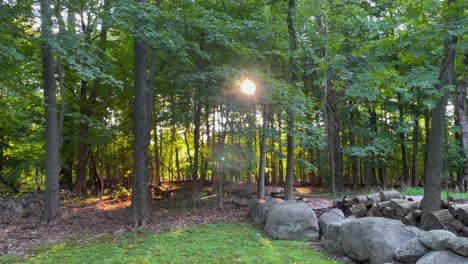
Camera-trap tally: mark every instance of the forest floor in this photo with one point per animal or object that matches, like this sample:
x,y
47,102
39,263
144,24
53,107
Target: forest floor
x,y
19,232
94,217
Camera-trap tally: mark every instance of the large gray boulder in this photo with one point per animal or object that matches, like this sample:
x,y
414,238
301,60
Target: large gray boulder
x,y
259,209
334,215
442,257
292,221
459,245
331,236
374,239
436,239
410,251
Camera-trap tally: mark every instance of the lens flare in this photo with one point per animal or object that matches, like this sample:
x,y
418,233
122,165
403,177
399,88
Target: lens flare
x,y
248,87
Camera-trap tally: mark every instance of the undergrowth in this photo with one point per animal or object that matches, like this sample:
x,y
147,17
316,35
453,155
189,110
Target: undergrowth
x,y
420,191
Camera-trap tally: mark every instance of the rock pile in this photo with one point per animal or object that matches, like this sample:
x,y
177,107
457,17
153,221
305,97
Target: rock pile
x,y
288,220
453,216
380,240
23,203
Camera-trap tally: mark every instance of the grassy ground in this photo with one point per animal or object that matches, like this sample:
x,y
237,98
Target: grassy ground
x,y
221,243
420,191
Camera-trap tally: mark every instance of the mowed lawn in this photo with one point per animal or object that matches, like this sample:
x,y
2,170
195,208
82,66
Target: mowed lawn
x,y
220,243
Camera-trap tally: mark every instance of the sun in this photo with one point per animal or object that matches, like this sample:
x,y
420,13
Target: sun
x,y
248,87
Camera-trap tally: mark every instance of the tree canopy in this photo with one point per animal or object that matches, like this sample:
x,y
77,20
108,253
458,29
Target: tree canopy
x,y
345,92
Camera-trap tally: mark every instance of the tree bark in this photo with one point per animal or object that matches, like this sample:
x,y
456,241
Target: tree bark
x,y
403,144
272,151
463,118
52,198
261,173
142,120
289,183
354,159
433,166
414,168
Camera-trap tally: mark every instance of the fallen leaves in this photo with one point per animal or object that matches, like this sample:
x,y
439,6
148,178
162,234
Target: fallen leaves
x,y
19,233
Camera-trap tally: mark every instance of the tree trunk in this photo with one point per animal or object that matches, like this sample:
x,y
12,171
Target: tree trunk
x,y
280,150
333,133
354,159
433,166
272,151
52,195
463,118
289,183
80,184
142,119
157,158
196,147
427,130
403,144
261,173
414,169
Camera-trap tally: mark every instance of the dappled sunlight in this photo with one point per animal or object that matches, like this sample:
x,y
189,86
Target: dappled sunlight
x,y
309,190
113,204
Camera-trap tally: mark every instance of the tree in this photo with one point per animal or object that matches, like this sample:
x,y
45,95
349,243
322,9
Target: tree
x,y
52,198
463,118
142,119
289,182
433,165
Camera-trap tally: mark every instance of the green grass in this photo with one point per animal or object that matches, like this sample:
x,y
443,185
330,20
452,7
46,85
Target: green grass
x,y
420,191
221,243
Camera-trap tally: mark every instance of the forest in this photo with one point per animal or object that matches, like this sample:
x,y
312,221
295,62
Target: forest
x,y
101,98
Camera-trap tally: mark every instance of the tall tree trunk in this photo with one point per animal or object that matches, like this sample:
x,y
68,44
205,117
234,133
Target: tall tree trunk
x,y
463,117
272,151
142,120
261,173
289,183
157,158
414,169
220,178
403,144
196,148
354,162
51,199
433,166
427,130
333,133
332,120
280,150
80,184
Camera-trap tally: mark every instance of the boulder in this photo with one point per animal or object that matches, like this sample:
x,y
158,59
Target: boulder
x,y
410,251
374,239
359,210
436,239
459,245
259,209
331,237
292,221
275,192
442,257
334,215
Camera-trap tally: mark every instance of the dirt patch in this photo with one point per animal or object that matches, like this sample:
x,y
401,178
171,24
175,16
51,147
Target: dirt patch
x,y
20,232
